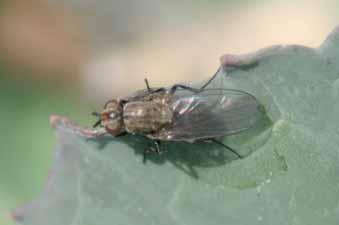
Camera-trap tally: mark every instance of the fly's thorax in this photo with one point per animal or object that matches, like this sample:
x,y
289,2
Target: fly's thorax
x,y
146,116
111,117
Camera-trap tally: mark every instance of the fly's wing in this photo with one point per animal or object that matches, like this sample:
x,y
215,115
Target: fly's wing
x,y
211,113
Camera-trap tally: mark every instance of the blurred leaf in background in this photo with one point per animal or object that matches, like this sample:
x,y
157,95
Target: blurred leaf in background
x,y
41,54
185,41
46,40
26,137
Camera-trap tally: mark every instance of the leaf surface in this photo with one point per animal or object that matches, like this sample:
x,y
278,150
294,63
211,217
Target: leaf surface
x,y
290,174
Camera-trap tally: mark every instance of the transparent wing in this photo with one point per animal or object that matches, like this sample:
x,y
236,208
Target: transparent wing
x,y
211,113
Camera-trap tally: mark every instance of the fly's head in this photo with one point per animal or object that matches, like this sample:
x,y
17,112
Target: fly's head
x,y
111,117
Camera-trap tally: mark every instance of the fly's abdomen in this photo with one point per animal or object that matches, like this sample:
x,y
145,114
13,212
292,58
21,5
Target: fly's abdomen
x,y
145,117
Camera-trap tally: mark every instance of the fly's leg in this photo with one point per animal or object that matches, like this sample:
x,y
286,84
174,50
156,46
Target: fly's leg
x,y
227,147
157,147
194,90
156,150
147,85
184,87
158,90
150,89
210,80
174,88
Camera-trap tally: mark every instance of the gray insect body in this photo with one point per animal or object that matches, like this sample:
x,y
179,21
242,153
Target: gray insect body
x,y
147,116
181,115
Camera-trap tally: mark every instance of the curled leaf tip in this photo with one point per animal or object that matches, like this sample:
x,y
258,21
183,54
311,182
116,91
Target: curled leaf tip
x,y
56,120
250,59
65,123
229,60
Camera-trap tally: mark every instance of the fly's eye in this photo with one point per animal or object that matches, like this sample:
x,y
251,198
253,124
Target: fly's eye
x,y
112,115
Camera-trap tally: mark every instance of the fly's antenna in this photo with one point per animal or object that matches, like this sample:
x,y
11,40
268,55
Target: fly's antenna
x,y
147,85
96,114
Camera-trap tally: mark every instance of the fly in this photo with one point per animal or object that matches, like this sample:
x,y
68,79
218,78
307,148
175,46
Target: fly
x,y
181,113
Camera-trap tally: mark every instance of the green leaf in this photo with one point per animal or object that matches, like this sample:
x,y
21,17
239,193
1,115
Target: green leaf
x,y
290,174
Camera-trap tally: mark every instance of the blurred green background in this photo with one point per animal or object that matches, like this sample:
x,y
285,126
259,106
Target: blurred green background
x,y
68,57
